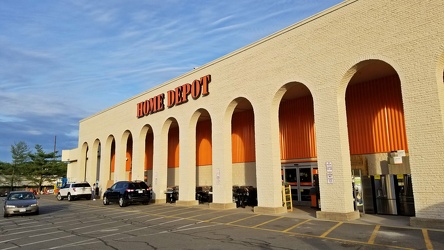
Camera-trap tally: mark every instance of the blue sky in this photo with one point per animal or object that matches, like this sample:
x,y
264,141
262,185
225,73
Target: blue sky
x,y
62,61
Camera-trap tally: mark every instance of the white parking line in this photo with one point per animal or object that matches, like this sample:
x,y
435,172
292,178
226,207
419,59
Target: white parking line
x,y
192,224
89,240
37,242
28,231
8,240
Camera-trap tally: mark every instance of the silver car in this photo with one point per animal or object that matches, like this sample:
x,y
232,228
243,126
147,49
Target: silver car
x,y
20,202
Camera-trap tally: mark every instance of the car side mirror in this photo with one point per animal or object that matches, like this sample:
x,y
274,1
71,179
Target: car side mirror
x,y
109,189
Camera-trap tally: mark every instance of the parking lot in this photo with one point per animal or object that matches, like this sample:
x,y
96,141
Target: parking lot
x,y
83,224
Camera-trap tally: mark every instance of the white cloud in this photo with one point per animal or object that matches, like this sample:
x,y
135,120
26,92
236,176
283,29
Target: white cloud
x,y
8,118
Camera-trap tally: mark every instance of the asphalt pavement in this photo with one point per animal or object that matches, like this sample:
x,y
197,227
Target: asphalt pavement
x,y
88,224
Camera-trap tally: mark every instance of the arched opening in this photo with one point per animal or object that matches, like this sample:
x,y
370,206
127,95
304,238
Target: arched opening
x,y
173,154
297,139
204,157
129,156
96,162
148,159
378,140
243,148
112,160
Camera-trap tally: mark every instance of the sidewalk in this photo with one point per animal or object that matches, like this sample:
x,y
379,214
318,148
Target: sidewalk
x,y
309,213
368,219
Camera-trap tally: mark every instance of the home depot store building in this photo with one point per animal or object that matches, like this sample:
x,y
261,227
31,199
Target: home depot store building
x,y
355,81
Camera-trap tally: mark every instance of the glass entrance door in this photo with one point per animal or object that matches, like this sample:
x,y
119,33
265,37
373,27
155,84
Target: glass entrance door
x,y
300,178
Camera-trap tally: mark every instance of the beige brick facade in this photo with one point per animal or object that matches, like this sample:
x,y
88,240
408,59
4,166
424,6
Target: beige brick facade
x,y
322,53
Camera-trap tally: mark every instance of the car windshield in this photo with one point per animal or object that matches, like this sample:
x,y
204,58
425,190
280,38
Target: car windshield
x,y
21,196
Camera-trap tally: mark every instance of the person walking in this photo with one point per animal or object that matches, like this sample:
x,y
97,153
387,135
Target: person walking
x,y
93,189
97,190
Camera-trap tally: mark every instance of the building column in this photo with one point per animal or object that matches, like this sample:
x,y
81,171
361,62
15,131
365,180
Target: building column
x,y
187,164
333,157
222,170
160,163
104,178
423,97
138,170
120,165
268,165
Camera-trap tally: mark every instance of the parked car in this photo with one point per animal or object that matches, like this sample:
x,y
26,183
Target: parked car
x,y
20,202
127,192
73,191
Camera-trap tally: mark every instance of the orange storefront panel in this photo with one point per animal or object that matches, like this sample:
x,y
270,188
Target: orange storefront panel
x,y
375,116
129,154
242,137
296,127
149,150
203,143
173,148
113,157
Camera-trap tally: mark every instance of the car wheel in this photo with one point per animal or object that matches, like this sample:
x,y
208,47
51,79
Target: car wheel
x,y
69,197
59,197
88,197
5,214
37,212
122,202
105,201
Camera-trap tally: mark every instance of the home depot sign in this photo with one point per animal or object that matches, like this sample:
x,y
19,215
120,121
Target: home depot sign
x,y
179,95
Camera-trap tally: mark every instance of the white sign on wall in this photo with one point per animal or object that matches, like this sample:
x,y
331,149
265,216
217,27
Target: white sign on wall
x,y
218,176
329,168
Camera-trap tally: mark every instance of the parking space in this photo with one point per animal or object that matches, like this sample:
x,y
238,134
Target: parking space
x,y
355,232
91,225
404,237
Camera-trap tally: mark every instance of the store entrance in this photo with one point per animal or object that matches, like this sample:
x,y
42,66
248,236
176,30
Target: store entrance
x,y
301,178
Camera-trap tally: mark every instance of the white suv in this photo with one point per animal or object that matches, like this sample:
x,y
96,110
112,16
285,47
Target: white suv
x,y
73,191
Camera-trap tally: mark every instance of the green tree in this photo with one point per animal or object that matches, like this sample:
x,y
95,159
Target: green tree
x,y
5,173
20,156
44,167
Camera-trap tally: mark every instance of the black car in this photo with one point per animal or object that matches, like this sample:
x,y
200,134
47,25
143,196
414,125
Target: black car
x,y
127,192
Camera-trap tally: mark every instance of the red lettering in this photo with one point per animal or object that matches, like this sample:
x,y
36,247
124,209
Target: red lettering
x,y
152,105
205,81
186,91
195,89
160,105
178,91
175,97
139,109
146,108
171,98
